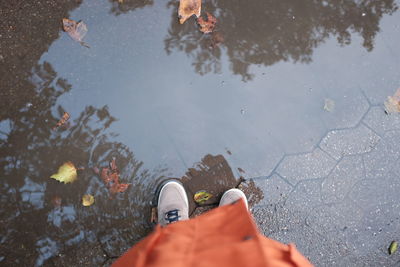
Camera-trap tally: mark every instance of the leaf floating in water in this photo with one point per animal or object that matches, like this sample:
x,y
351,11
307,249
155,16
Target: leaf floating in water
x,y
110,177
62,121
241,170
202,196
87,200
393,247
76,30
66,173
188,8
392,105
207,26
329,105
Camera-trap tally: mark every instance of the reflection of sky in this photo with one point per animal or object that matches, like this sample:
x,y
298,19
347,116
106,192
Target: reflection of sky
x,y
46,248
61,214
168,114
33,193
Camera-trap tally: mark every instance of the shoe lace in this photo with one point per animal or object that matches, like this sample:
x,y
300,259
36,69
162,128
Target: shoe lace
x,y
172,216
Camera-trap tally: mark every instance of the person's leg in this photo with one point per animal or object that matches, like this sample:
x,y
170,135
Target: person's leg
x,y
173,204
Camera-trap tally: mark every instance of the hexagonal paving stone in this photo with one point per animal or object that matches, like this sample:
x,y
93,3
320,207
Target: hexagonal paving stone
x,y
339,143
348,172
305,196
384,156
381,122
275,189
316,164
335,218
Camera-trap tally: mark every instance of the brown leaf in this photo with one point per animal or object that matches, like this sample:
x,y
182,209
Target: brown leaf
x,y
76,30
207,26
110,177
392,105
188,8
62,121
241,170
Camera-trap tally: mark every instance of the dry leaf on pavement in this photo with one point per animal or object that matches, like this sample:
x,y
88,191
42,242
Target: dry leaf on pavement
x,y
393,247
188,8
76,30
392,105
207,26
66,173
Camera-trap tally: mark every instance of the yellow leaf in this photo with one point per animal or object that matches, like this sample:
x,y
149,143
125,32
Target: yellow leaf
x,y
202,196
188,8
87,200
66,173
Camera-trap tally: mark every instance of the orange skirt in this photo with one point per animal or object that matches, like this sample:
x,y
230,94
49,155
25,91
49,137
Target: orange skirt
x,y
225,237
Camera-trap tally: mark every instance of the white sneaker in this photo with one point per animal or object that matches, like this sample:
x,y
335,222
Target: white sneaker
x,y
173,204
231,196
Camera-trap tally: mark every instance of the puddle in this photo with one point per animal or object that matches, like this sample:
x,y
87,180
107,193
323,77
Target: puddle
x,y
168,101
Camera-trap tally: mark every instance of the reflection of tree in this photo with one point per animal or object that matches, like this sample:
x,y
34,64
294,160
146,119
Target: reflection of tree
x,y
124,6
266,32
30,151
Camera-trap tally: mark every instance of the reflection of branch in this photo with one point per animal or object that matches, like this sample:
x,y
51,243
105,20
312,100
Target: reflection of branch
x,y
274,32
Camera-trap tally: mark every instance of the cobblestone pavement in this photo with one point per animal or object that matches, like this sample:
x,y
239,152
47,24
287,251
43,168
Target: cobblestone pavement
x,y
339,202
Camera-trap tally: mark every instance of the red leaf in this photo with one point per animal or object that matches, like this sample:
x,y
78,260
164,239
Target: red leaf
x,y
63,120
207,26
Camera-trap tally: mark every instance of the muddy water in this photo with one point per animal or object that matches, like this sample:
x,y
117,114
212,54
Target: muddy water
x,y
159,97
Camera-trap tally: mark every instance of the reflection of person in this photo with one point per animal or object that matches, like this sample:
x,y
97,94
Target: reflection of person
x,y
225,236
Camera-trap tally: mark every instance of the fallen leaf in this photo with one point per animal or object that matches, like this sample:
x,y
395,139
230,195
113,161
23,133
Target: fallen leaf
x,y
76,30
62,121
207,26
392,105
329,105
87,200
66,173
188,8
393,247
110,176
228,151
202,196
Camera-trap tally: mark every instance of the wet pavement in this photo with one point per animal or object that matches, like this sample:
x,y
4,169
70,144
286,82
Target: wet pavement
x,y
284,100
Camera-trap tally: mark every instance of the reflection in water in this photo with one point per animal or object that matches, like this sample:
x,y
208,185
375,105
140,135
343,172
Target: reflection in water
x,y
41,218
35,227
119,7
266,32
